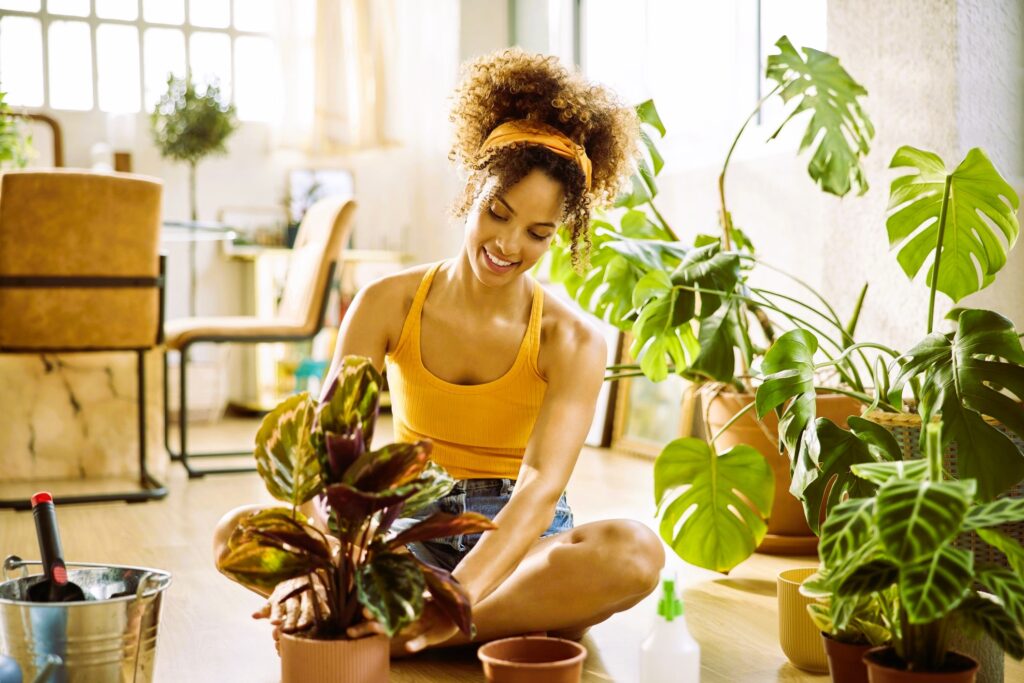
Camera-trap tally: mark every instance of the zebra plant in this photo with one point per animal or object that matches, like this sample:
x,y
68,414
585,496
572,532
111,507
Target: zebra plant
x,y
899,545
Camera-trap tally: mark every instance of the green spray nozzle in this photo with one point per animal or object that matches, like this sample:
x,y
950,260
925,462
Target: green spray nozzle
x,y
670,606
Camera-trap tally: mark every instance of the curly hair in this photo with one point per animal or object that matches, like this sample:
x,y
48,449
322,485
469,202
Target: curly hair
x,y
512,84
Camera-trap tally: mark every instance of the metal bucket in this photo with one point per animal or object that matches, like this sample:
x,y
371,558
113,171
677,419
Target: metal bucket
x,y
108,638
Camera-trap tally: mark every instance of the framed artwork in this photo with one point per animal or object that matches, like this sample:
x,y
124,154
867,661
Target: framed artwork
x,y
648,415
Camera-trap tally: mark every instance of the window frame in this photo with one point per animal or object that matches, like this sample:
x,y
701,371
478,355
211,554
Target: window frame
x,y
46,17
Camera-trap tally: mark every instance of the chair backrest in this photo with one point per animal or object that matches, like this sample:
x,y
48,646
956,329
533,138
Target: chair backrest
x,y
72,224
322,236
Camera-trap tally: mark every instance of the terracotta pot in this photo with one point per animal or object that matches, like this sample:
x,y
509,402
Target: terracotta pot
x,y
845,660
788,533
364,660
532,659
884,667
799,637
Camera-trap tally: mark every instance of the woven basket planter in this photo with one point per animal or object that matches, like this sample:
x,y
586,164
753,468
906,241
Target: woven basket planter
x,y
906,427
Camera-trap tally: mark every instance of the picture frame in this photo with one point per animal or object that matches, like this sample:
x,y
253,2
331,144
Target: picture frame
x,y
648,415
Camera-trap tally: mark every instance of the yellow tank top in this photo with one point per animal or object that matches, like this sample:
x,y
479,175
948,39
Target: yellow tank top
x,y
480,430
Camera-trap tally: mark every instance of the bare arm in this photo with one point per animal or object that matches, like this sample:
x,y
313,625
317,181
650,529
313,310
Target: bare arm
x,y
574,381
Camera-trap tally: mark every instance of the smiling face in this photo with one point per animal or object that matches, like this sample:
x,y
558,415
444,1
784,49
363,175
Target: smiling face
x,y
507,233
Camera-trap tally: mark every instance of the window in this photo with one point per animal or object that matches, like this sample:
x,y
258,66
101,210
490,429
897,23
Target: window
x,y
116,55
702,63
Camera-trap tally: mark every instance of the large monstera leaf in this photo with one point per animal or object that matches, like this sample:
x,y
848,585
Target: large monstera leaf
x,y
286,457
391,586
726,500
838,127
721,335
789,381
661,333
981,223
963,375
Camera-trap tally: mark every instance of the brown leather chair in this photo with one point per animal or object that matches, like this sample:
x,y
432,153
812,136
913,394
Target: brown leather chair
x,y
79,272
324,231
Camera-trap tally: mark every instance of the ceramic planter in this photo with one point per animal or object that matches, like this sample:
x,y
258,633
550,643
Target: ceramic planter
x,y
788,533
799,637
883,667
532,659
363,660
845,660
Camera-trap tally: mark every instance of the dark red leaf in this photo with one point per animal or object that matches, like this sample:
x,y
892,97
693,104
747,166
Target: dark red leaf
x,y
443,524
389,467
355,506
449,595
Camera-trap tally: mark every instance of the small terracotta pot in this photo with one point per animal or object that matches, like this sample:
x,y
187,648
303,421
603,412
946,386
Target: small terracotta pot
x,y
845,660
363,660
532,659
799,637
788,532
884,667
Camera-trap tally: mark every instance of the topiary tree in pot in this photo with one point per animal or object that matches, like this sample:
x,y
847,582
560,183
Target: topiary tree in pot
x,y
307,450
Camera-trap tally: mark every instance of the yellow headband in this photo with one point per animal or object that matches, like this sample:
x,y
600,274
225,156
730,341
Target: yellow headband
x,y
543,135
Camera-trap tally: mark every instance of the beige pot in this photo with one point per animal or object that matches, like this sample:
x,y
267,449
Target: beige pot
x,y
364,660
799,637
788,533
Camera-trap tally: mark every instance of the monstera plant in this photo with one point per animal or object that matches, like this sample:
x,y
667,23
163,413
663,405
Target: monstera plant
x,y
898,546
692,310
308,450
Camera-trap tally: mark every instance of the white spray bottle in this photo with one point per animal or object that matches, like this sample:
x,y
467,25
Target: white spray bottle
x,y
670,654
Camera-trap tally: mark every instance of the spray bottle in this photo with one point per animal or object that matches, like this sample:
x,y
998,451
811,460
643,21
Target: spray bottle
x,y
670,654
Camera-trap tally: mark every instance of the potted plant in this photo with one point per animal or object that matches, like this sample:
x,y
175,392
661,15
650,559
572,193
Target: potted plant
x,y
15,143
307,450
898,545
692,310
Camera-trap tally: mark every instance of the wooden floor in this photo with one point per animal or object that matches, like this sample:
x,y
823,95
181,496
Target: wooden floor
x,y
206,633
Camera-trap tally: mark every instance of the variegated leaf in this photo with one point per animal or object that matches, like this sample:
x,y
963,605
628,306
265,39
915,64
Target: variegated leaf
x,y
934,585
285,456
846,529
443,524
995,513
1008,586
391,587
917,518
881,472
1006,545
874,576
450,596
994,621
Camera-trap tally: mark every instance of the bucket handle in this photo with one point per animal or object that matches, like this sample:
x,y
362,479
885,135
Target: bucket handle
x,y
150,584
12,562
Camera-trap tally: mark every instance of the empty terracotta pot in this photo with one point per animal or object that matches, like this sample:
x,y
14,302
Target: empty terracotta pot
x,y
363,660
532,659
884,667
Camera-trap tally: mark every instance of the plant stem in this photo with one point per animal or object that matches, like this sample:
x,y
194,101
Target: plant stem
x,y
726,219
664,223
946,191
732,420
863,398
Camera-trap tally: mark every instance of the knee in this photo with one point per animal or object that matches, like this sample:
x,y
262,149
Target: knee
x,y
636,552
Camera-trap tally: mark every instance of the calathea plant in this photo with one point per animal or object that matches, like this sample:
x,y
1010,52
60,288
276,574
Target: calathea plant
x,y
692,309
307,450
898,546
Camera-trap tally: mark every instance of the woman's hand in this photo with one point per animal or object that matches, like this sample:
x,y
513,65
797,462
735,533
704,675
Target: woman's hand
x,y
295,613
434,626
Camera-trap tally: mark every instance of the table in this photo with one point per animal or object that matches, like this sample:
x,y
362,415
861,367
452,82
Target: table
x,y
192,232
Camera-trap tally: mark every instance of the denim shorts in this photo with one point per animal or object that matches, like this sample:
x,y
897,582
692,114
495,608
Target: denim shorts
x,y
484,496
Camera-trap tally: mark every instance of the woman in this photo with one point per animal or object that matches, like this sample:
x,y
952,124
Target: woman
x,y
503,379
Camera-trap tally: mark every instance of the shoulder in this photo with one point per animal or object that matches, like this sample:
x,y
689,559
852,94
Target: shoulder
x,y
571,344
388,299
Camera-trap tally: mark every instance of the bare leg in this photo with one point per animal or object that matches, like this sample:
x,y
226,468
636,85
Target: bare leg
x,y
570,581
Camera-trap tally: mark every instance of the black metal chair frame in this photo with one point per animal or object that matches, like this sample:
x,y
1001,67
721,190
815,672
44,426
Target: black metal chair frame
x,y
152,489
183,455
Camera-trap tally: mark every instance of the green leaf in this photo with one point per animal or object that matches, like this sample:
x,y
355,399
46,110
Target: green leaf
x,y
636,224
636,196
726,500
352,397
935,584
720,336
866,442
285,456
838,127
871,577
981,223
789,377
879,473
994,621
278,527
656,159
188,125
659,337
846,529
433,483
961,382
259,560
442,524
1007,586
648,114
706,268
916,518
391,586
1006,545
995,513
